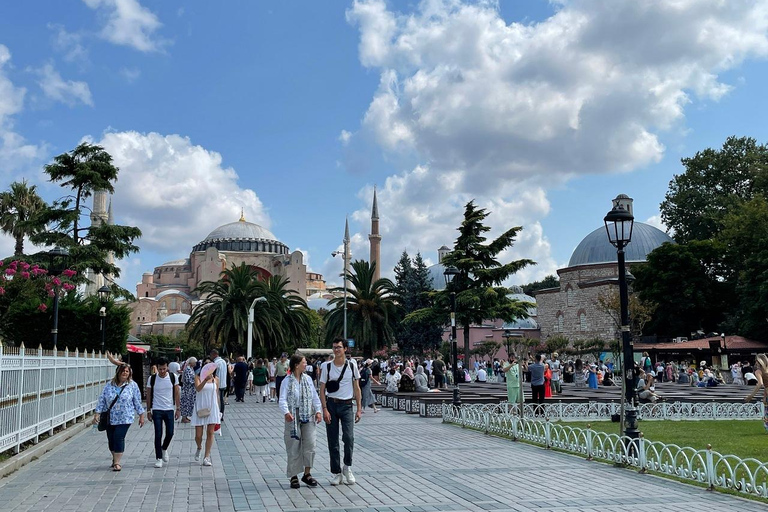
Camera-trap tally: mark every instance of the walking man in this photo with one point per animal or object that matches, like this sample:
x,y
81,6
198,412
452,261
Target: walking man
x,y
339,386
163,393
222,372
537,380
281,370
240,374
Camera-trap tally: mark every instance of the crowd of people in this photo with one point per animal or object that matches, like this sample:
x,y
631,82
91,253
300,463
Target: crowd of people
x,y
337,390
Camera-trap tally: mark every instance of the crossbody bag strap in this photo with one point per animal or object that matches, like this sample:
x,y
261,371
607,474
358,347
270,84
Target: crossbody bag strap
x,y
115,400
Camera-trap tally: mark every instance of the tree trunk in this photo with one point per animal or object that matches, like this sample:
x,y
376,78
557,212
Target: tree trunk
x,y
19,250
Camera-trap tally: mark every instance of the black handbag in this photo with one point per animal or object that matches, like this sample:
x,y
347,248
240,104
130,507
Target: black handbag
x,y
104,417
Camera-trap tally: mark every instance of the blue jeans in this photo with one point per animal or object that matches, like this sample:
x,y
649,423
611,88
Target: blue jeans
x,y
158,418
116,437
341,413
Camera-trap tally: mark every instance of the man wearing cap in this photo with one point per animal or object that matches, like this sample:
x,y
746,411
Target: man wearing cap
x,y
221,372
339,386
281,370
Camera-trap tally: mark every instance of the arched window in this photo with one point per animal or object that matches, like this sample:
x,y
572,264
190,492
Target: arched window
x,y
559,324
583,321
569,296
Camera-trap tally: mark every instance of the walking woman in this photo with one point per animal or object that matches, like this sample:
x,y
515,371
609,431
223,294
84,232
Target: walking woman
x,y
188,390
366,376
261,380
761,374
207,410
547,381
121,399
301,407
512,373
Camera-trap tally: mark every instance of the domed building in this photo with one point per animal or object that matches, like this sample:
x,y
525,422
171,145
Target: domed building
x,y
169,289
571,308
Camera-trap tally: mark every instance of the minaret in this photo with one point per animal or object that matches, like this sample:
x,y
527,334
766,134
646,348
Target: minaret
x,y
100,215
346,247
375,238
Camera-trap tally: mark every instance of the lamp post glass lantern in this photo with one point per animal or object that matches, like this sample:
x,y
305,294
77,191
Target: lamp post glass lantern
x,y
104,293
58,261
618,225
450,273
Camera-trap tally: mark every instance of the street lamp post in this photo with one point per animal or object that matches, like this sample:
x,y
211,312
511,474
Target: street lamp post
x,y
104,293
345,261
450,273
618,224
58,260
250,324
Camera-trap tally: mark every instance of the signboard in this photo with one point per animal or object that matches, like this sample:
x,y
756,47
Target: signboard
x,y
351,343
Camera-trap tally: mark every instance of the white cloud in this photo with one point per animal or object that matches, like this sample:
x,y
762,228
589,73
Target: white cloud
x,y
130,74
345,137
69,92
69,44
15,152
498,112
175,191
655,221
128,23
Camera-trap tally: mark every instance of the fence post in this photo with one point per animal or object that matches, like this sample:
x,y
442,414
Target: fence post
x,y
66,386
548,433
589,441
487,422
39,386
53,387
17,449
710,469
515,426
641,459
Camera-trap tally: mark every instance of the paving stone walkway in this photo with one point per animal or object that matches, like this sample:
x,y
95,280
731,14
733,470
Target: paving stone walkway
x,y
402,463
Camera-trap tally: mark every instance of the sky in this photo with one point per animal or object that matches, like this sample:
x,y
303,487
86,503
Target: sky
x,y
540,111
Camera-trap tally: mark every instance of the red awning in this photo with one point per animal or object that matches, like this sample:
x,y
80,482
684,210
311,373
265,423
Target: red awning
x,y
134,348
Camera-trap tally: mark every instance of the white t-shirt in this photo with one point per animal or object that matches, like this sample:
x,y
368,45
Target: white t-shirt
x,y
162,393
482,376
555,367
346,391
174,367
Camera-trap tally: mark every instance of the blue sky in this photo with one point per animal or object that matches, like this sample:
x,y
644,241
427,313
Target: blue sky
x,y
540,111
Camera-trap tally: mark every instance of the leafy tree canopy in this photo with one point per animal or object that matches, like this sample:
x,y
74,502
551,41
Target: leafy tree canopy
x,y
550,281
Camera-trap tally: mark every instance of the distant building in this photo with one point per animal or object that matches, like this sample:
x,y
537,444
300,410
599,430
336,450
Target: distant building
x,y
571,308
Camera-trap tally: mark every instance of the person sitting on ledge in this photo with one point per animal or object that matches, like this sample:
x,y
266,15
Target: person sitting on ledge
x,y
407,380
421,380
645,389
682,378
608,379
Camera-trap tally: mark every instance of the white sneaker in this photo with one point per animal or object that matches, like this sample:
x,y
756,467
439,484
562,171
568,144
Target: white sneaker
x,y
166,457
159,463
197,456
271,399
207,461
349,478
337,479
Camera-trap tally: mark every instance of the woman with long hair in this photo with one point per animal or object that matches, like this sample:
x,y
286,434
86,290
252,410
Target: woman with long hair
x,y
511,372
188,390
302,410
121,399
207,411
761,375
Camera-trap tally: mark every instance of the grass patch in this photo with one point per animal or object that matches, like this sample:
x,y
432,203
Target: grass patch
x,y
743,438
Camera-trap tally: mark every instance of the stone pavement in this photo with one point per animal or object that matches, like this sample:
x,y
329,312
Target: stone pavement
x,y
402,463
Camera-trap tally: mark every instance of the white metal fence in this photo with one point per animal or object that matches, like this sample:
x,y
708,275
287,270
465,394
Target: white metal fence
x,y
43,389
715,470
602,411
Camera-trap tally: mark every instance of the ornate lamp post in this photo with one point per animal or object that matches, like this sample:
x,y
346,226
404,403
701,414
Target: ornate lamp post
x,y
58,261
450,273
618,224
104,293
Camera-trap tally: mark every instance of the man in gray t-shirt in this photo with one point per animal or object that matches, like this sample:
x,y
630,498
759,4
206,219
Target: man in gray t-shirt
x,y
537,380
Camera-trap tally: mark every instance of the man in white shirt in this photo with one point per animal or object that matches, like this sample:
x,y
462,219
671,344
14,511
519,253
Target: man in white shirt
x,y
556,368
162,394
482,375
339,386
222,372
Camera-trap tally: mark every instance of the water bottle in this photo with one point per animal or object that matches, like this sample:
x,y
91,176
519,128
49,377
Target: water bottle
x,y
94,428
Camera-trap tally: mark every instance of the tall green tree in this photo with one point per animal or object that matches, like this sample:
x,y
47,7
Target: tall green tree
x,y
550,281
371,309
479,294
82,171
413,285
222,317
713,184
18,207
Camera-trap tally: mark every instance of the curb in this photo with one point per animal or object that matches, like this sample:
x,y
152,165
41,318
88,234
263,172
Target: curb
x,y
22,459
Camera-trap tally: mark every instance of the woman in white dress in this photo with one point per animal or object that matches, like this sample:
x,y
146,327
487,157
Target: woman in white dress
x,y
206,414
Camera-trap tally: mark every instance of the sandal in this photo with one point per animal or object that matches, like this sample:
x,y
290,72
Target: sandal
x,y
295,482
116,467
307,479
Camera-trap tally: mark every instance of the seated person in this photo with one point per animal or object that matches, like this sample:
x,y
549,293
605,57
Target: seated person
x,y
482,375
682,378
643,389
750,379
407,380
608,379
420,382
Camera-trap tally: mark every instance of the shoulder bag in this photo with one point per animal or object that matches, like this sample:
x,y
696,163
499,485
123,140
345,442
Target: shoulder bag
x,y
332,386
104,416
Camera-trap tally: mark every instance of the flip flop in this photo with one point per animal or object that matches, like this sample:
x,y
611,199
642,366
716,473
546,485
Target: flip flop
x,y
116,467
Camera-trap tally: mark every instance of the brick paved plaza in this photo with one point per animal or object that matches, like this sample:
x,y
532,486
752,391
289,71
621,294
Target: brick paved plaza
x,y
402,463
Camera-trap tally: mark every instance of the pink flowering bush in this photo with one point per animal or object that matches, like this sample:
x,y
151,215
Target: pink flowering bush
x,y
24,278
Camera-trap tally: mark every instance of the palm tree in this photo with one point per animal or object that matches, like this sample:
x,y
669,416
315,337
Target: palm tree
x,y
17,206
279,323
371,309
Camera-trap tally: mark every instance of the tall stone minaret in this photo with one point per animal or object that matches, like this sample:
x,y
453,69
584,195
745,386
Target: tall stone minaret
x,y
375,238
100,215
346,247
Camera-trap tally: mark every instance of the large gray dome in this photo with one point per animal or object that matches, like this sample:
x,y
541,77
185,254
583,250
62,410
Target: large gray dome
x,y
242,236
595,248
